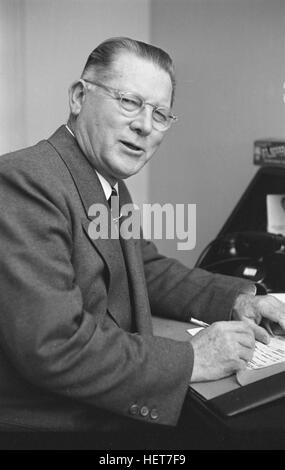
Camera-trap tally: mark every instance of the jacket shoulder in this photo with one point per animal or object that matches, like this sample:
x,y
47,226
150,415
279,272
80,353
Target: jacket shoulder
x,y
22,156
37,162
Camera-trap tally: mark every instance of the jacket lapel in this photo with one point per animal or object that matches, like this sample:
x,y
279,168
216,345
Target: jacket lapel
x,y
134,263
91,192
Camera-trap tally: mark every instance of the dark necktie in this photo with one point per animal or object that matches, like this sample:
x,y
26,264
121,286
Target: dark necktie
x,y
113,202
113,195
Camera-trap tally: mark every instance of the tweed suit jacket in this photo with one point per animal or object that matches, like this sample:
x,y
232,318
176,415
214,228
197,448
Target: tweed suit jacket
x,y
76,345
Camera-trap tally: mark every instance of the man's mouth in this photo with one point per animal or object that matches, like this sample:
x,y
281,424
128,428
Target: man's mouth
x,y
131,146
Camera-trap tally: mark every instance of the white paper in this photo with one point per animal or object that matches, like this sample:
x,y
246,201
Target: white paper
x,y
268,354
280,296
275,204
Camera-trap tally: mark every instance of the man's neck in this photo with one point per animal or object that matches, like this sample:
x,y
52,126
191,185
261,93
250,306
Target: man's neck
x,y
106,183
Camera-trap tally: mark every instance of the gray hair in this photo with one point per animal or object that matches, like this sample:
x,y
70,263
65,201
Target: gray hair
x,y
101,58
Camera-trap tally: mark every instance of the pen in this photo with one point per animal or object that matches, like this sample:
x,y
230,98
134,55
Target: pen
x,y
199,322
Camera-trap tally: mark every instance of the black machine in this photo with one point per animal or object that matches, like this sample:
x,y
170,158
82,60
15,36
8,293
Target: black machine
x,y
243,247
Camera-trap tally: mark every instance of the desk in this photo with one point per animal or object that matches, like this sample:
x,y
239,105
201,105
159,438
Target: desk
x,y
260,428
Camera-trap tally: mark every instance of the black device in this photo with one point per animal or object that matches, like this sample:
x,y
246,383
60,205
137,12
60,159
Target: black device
x,y
243,247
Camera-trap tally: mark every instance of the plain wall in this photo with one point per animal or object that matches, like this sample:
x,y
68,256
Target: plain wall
x,y
44,46
230,63
12,75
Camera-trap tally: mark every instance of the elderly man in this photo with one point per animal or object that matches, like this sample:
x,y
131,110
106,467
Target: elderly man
x,y
77,350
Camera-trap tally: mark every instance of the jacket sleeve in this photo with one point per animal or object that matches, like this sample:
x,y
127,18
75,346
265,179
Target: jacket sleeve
x,y
48,336
177,292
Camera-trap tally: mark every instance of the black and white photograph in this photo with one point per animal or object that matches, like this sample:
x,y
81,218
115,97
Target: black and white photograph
x,y
142,227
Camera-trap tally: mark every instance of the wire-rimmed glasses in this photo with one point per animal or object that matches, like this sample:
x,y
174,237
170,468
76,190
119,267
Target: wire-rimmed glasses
x,y
132,104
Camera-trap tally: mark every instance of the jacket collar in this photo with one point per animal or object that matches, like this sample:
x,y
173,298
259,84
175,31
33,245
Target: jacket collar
x,y
81,171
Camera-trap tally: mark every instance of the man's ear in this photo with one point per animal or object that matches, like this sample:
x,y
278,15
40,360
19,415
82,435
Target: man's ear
x,y
76,94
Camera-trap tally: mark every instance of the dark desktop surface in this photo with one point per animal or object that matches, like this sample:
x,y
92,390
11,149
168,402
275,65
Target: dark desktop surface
x,y
260,428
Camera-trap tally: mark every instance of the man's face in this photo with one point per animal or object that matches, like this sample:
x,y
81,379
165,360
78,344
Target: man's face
x,y
105,134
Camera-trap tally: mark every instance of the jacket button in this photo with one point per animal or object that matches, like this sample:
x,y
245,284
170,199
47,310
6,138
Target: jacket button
x,y
144,411
134,409
154,413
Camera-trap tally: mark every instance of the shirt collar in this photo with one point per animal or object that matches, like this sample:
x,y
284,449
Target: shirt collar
x,y
107,188
69,130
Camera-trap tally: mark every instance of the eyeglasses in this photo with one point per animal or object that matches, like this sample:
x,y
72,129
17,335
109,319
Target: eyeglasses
x,y
132,105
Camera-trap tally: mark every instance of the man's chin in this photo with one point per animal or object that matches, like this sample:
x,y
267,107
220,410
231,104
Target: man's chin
x,y
127,173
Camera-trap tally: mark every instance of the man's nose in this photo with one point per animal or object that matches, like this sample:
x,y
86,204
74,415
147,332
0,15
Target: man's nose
x,y
142,123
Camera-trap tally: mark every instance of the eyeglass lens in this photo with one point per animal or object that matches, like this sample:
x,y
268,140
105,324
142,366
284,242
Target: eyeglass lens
x,y
134,104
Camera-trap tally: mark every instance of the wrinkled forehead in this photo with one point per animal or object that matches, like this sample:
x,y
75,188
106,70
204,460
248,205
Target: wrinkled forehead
x,y
129,72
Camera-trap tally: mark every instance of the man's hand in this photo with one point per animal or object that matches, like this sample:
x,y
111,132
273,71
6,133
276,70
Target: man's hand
x,y
258,310
221,349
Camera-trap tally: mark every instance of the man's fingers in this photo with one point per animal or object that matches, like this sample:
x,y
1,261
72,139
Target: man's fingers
x,y
247,341
257,309
259,333
274,310
280,325
246,355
